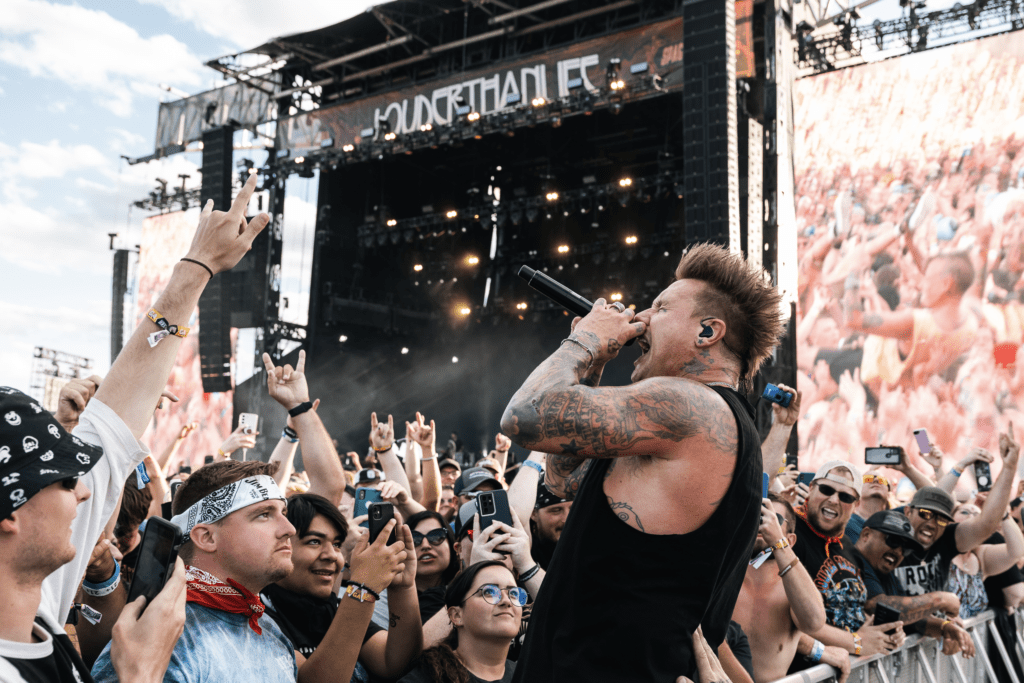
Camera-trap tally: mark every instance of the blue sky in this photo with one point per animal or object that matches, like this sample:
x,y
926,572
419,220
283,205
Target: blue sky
x,y
78,88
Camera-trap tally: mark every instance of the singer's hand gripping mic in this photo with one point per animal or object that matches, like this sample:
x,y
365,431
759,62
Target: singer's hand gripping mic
x,y
559,293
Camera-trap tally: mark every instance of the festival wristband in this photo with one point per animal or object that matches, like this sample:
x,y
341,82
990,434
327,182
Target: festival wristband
x,y
789,567
98,590
386,449
817,650
780,544
166,329
535,465
857,646
290,435
955,472
529,573
358,591
300,409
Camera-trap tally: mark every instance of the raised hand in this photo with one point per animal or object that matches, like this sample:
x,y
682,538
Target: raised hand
x,y
75,395
394,493
1009,449
101,562
407,577
422,433
770,530
376,564
188,429
485,543
285,385
517,545
606,329
224,237
291,423
382,434
502,442
238,439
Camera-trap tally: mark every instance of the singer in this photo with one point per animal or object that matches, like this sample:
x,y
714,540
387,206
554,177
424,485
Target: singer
x,y
665,473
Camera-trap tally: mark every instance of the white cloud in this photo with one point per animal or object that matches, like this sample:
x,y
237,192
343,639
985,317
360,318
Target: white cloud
x,y
249,23
33,161
91,51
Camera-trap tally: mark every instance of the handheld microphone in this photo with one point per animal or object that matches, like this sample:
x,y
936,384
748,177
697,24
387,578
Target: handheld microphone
x,y
559,293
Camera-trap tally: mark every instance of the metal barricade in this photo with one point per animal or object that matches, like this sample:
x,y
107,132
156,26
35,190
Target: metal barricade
x,y
920,660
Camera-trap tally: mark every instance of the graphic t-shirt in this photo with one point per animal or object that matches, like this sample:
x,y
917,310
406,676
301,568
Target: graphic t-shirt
x,y
219,647
811,548
931,572
53,659
843,591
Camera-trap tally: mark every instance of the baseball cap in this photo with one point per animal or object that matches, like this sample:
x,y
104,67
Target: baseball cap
x,y
935,499
471,479
894,524
490,464
464,521
825,472
369,476
35,451
545,498
448,462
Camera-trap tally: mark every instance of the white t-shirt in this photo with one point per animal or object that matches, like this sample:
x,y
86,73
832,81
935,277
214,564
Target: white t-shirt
x,y
101,426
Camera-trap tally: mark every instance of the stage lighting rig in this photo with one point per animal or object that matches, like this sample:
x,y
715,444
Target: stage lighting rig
x,y
612,75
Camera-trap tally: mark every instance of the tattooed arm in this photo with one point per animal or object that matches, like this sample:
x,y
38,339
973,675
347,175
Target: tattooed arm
x,y
898,324
913,608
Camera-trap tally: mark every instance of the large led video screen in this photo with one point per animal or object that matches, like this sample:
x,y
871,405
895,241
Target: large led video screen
x,y
910,218
165,239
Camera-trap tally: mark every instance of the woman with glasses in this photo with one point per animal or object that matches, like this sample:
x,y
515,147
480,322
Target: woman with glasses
x,y
437,563
485,608
968,571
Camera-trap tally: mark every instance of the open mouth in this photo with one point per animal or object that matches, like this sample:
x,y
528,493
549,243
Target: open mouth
x,y
644,345
427,557
925,535
890,558
829,514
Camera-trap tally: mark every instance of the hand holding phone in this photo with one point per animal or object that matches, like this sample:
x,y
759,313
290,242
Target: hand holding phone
x,y
983,475
380,514
923,443
883,455
494,507
364,498
777,395
157,552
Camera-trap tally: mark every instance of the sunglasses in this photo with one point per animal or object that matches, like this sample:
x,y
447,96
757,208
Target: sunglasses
x,y
70,483
896,542
434,537
876,479
492,594
782,520
927,516
828,492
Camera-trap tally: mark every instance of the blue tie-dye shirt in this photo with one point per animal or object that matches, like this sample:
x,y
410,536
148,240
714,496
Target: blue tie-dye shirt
x,y
219,647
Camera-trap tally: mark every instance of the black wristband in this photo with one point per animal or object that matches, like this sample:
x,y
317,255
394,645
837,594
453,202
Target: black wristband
x,y
300,409
198,263
346,583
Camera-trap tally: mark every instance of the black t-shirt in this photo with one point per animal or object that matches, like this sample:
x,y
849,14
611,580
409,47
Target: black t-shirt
x,y
931,572
739,645
431,602
422,675
54,660
810,548
304,619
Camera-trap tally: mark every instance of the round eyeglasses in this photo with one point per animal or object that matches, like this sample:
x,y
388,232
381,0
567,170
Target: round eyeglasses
x,y
492,594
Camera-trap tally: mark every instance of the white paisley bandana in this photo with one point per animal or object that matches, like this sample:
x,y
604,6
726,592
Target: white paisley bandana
x,y
227,499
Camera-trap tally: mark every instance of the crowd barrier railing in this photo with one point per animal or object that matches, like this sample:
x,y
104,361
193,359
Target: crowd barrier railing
x,y
921,660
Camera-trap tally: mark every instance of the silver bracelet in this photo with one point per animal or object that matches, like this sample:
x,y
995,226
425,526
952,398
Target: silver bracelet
x,y
583,346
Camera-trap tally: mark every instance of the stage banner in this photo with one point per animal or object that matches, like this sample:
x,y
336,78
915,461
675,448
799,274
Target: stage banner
x,y
487,90
183,121
165,238
910,216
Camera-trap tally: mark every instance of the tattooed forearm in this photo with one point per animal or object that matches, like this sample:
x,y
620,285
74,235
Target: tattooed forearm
x,y
911,608
564,474
394,620
624,512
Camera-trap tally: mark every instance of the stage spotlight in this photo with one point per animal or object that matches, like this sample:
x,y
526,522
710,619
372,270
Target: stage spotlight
x,y
343,338
392,222
563,248
473,116
299,160
464,310
521,306
405,350
631,239
390,136
426,128
538,101
348,148
472,260
551,196
617,296
612,74
625,182
451,214
455,359
418,267
383,128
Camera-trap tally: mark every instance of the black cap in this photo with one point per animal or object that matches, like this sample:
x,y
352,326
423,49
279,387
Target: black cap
x,y
472,478
894,524
369,476
545,498
35,451
448,462
464,520
935,499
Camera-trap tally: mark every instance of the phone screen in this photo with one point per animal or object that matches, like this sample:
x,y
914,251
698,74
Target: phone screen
x,y
983,475
922,441
805,478
882,455
764,484
156,559
364,497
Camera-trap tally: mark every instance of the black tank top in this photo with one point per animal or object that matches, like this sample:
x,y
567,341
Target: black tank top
x,y
620,605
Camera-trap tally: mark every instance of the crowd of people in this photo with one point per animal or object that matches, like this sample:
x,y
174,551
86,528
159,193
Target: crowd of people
x,y
637,544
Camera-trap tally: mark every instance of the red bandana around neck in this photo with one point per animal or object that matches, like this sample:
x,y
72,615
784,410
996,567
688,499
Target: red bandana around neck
x,y
829,540
207,590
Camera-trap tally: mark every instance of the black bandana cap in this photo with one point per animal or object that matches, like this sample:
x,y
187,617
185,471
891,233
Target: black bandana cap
x,y
35,451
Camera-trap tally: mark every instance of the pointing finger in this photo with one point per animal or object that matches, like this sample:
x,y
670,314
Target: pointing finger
x,y
244,195
268,364
301,365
